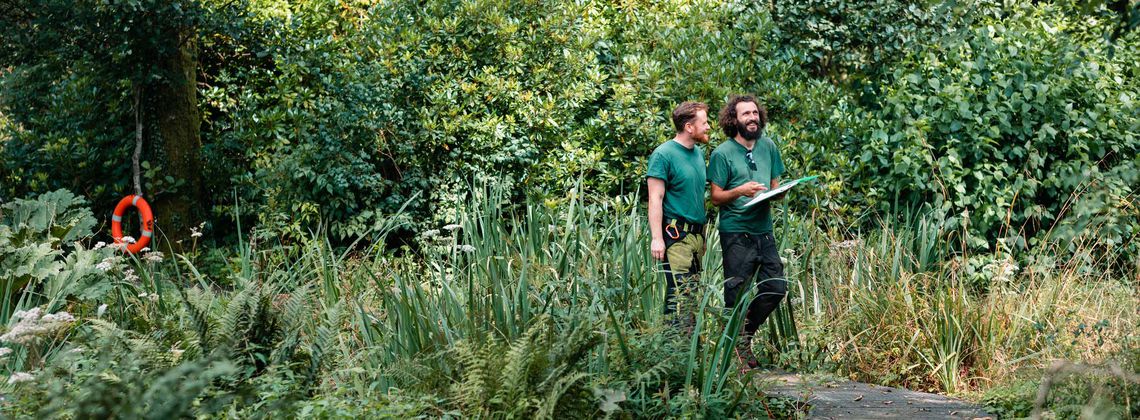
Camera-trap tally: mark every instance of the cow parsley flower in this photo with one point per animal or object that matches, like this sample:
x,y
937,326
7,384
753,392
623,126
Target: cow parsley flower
x,y
18,377
153,257
130,276
58,317
107,264
30,326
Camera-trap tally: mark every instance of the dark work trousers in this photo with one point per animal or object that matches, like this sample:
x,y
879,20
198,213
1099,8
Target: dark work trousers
x,y
682,265
752,259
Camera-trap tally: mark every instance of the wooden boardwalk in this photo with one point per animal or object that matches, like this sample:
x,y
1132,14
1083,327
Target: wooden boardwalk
x,y
841,399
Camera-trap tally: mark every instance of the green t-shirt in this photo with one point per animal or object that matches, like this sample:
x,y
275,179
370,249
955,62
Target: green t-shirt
x,y
683,171
729,168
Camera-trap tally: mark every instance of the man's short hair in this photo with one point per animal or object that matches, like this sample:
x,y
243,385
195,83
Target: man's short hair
x,y
687,112
727,120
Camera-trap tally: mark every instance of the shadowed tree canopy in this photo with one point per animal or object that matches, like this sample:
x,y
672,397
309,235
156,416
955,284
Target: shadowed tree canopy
x,y
76,71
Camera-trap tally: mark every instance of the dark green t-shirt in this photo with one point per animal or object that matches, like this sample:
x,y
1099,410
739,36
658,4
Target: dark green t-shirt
x,y
729,168
683,171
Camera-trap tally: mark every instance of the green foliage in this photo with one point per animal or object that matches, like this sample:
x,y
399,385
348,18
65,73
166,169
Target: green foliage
x,y
123,374
556,309
1013,401
1006,128
41,252
856,42
541,373
69,94
56,218
326,116
1013,131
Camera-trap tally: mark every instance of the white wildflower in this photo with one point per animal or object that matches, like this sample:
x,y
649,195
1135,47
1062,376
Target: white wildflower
x,y
1003,271
153,297
153,257
76,350
465,248
128,240
18,377
197,232
452,227
145,249
143,295
58,317
431,233
4,351
99,245
30,314
30,326
102,309
130,276
846,244
107,264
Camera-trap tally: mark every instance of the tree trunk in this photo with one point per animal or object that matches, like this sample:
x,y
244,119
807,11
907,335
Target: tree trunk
x,y
175,109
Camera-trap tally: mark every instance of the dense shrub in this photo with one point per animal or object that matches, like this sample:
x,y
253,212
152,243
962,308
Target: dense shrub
x,y
1012,129
329,115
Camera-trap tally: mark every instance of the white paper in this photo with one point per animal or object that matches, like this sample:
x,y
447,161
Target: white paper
x,y
783,187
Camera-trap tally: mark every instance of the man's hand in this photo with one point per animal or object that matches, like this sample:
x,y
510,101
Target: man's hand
x,y
750,188
657,248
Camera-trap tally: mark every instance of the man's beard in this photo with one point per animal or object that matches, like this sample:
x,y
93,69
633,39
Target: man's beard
x,y
701,138
742,128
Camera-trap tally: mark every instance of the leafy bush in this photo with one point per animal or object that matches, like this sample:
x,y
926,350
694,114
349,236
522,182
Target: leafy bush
x,y
42,259
1013,131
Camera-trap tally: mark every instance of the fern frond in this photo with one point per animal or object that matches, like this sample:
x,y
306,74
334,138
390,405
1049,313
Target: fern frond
x,y
554,395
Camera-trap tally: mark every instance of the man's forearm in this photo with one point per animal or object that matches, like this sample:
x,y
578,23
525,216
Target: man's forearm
x,y
655,216
721,197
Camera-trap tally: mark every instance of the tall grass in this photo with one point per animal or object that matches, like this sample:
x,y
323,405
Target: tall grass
x,y
905,304
526,309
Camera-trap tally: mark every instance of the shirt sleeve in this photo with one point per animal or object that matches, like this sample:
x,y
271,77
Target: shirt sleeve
x,y
777,161
718,172
658,167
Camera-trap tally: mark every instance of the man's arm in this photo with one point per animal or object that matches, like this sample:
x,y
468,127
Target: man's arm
x,y
656,214
721,196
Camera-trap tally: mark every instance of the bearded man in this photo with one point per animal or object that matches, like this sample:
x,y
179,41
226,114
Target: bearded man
x,y
745,164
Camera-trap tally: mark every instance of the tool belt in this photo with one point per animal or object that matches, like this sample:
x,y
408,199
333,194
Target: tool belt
x,y
674,228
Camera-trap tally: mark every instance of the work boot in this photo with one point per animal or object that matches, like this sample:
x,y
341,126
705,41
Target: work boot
x,y
744,354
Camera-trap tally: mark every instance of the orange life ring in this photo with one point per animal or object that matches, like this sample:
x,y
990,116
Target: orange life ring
x,y
145,216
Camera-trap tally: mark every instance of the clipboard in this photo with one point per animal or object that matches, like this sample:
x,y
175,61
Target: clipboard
x,y
783,187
